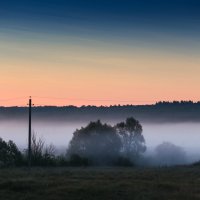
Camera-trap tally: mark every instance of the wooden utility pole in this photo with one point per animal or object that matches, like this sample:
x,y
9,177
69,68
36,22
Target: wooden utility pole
x,y
29,133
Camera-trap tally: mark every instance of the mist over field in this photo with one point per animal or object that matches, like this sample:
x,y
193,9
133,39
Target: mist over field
x,y
185,136
99,99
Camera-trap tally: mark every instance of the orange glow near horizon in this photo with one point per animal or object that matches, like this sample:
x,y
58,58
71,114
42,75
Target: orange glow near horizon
x,y
78,76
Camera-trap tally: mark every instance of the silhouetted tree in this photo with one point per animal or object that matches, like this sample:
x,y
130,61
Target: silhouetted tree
x,y
98,142
9,154
133,142
169,154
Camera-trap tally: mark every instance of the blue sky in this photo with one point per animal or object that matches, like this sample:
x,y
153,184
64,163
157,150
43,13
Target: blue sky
x,y
148,39
109,16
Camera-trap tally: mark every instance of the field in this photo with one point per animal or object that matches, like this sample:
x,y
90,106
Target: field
x,y
100,183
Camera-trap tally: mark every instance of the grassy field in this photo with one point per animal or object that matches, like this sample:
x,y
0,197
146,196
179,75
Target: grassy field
x,y
100,183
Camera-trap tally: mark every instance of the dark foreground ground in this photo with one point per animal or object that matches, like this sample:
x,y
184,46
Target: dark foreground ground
x,y
100,183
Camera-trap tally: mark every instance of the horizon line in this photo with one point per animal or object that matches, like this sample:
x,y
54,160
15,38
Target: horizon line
x,y
111,105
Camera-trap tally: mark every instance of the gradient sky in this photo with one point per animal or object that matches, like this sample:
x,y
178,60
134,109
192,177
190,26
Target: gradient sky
x,y
99,52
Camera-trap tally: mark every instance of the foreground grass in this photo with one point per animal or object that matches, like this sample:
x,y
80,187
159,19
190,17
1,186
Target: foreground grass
x,y
100,183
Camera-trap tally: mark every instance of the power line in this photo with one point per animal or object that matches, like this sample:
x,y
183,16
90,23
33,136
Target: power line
x,y
13,99
92,100
81,99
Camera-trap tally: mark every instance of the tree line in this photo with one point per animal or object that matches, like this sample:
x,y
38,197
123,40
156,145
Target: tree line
x,y
176,111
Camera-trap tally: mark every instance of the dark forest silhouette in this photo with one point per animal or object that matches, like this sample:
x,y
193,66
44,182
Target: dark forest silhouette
x,y
176,111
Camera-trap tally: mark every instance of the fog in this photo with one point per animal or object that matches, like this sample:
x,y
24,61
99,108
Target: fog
x,y
183,135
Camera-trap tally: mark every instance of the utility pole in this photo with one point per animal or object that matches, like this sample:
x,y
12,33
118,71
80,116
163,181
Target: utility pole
x,y
29,134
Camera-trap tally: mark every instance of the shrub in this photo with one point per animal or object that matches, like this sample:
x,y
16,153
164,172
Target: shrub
x,y
9,154
123,162
76,160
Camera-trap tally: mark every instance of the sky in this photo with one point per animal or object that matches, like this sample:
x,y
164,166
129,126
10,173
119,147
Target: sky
x,y
99,52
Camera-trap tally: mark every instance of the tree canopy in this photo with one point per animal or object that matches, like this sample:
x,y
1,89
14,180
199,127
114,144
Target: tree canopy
x,y
132,139
9,154
169,154
98,142
103,144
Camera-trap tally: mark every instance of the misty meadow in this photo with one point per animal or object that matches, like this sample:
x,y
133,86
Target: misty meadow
x,y
146,160
99,99
168,136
